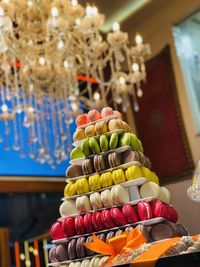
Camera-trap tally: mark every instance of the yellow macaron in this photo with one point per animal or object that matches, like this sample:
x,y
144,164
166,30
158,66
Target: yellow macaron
x,y
133,172
118,176
106,179
94,182
70,190
82,186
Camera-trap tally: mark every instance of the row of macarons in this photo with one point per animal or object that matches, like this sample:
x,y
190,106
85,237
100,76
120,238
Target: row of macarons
x,y
110,218
92,145
117,195
101,127
100,163
75,249
94,115
107,179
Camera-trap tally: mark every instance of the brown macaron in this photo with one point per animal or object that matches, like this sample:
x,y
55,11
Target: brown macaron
x,y
87,166
119,232
102,237
182,230
129,156
80,248
99,163
74,171
162,231
88,251
61,253
114,160
52,255
72,249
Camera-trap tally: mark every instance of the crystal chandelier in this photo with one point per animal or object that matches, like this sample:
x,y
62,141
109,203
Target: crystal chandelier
x,y
54,63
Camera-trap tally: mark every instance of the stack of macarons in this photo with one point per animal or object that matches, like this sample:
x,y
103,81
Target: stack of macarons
x,y
97,221
98,181
102,162
91,146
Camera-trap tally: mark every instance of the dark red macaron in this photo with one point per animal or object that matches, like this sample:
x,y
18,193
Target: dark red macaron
x,y
130,213
79,225
118,216
68,226
87,220
107,219
144,211
173,215
56,231
97,221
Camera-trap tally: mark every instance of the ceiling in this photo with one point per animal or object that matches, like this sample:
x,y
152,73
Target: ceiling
x,y
116,10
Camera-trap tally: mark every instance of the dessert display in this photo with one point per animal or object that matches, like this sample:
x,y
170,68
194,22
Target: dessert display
x,y
110,190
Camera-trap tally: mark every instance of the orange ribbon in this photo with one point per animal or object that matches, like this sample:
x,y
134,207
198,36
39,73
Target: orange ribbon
x,y
117,244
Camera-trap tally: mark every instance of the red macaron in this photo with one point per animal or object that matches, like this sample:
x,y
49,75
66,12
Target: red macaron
x,y
68,226
56,231
87,220
82,120
118,216
173,214
107,219
130,213
144,211
159,209
97,221
79,225
94,115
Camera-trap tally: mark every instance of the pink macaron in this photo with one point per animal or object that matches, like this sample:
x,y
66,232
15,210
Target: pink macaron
x,y
82,120
68,226
118,216
107,219
97,221
144,211
56,231
106,112
94,115
87,220
117,114
79,225
130,213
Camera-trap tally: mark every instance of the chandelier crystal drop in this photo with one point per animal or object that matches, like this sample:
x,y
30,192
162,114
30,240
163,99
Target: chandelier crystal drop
x,y
54,63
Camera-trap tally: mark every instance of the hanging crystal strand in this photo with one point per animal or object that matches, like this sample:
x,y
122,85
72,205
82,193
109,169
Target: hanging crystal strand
x,y
21,139
41,149
18,104
4,106
68,121
55,130
46,134
58,158
102,86
62,134
1,98
16,136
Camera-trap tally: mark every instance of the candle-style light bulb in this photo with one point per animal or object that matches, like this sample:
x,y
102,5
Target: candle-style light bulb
x,y
74,2
97,96
116,27
122,80
1,11
94,11
54,12
42,61
138,39
135,67
89,11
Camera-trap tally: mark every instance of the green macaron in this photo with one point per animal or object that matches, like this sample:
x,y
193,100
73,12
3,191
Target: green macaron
x,y
103,143
113,143
76,153
85,147
94,145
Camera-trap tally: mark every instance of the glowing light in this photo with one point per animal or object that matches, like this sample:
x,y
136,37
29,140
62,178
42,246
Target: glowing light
x,y
96,96
122,80
4,108
1,11
89,11
135,67
66,64
78,22
42,61
138,39
74,106
30,3
54,12
116,27
60,44
74,3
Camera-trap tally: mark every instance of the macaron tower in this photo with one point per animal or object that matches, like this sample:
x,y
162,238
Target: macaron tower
x,y
110,189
